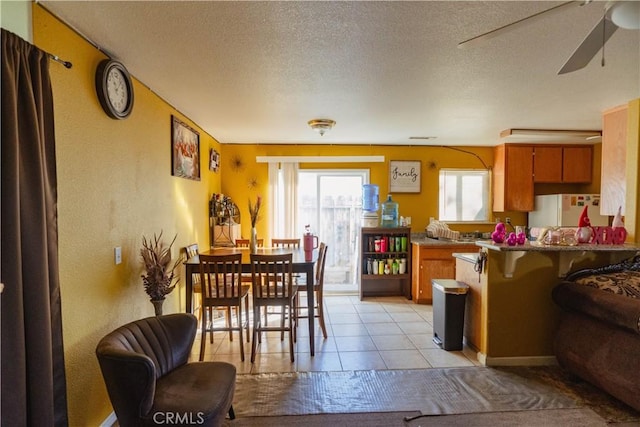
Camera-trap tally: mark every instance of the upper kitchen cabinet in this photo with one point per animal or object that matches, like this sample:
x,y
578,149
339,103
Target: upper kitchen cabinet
x,y
547,164
513,178
562,164
614,148
577,164
518,166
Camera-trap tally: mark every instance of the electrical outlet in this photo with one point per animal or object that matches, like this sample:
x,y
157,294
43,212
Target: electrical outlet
x,y
508,220
118,255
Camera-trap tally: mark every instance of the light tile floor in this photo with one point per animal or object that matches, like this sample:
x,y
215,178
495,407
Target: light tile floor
x,y
377,333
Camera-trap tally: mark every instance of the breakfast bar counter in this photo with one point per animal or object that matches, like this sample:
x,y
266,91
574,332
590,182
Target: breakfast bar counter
x,y
566,255
510,318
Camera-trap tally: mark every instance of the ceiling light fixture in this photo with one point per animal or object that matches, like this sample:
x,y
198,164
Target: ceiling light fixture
x,y
551,134
626,14
321,125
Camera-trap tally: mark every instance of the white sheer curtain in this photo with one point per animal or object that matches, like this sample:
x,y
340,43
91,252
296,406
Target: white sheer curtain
x,y
283,200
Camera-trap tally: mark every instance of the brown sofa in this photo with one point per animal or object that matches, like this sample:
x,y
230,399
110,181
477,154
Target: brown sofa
x,y
599,334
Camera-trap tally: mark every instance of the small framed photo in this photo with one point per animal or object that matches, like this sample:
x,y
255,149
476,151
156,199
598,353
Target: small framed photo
x,y
214,160
185,150
404,176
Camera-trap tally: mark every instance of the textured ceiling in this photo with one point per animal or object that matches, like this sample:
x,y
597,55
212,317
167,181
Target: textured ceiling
x,y
256,72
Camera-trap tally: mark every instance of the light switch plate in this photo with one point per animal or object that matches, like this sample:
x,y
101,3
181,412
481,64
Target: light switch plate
x,y
118,255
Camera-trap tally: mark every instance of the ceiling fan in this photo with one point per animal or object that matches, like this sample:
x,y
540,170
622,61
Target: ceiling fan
x,y
617,14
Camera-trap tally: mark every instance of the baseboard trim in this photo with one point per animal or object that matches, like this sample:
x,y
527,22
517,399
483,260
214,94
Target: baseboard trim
x,y
517,361
110,421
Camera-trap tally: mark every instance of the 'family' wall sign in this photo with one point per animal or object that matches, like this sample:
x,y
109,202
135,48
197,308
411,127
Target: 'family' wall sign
x,y
404,176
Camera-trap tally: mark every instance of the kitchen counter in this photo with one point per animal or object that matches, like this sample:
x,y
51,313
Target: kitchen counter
x,y
465,256
566,255
428,241
539,247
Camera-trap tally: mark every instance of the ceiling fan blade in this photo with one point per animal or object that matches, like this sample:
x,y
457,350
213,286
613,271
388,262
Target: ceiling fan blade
x,y
589,46
528,20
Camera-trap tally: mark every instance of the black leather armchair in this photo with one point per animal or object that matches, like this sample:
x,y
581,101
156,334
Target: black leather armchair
x,y
145,369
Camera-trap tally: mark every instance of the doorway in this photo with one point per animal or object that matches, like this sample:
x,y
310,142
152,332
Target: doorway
x,y
330,201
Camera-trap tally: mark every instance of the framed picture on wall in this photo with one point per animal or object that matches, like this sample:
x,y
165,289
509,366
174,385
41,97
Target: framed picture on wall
x,y
214,160
404,176
185,150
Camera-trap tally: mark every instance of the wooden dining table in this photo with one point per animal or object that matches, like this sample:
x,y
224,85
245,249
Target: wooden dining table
x,y
299,265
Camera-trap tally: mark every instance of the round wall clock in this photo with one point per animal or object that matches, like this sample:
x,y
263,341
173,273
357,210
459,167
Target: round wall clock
x,y
114,89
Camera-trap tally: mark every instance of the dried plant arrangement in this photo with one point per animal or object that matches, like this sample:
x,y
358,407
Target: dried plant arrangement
x,y
160,272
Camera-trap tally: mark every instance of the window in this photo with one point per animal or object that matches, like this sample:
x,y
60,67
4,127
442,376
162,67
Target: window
x,y
464,195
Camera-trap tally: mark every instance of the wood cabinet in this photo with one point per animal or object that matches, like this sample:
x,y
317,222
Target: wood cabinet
x,y
577,164
614,150
562,164
512,178
517,167
547,164
433,262
377,283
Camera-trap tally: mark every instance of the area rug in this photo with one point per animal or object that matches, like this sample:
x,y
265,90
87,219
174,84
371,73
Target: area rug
x,y
429,391
582,417
606,406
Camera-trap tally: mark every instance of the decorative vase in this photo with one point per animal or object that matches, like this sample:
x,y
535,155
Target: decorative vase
x,y
253,241
157,305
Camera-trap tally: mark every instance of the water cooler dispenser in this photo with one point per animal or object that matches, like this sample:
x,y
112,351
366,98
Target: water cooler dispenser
x,y
370,205
389,213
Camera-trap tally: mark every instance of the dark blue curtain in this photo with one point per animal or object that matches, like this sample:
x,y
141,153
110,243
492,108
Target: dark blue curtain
x,y
33,378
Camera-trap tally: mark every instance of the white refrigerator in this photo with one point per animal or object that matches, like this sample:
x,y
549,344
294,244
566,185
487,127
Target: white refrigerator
x,y
563,210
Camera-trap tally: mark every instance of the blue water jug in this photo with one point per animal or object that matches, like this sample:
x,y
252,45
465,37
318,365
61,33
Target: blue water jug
x,y
389,213
370,197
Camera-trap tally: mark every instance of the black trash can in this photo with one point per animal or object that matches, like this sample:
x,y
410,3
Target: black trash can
x,y
449,297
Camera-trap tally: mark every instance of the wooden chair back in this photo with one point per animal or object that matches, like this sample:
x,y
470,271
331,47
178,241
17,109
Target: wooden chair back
x,y
220,278
272,276
244,243
285,243
191,250
322,257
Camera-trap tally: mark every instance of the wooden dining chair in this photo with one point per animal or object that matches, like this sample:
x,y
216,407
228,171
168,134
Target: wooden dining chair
x,y
318,310
190,251
222,287
285,243
273,287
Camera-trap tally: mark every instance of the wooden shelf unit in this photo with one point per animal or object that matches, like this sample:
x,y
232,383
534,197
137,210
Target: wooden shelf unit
x,y
384,284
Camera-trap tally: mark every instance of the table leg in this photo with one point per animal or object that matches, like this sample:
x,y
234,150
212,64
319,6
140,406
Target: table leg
x,y
311,310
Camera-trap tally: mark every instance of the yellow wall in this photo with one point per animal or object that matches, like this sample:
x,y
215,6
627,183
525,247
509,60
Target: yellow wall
x,y
114,186
419,207
240,170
